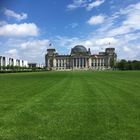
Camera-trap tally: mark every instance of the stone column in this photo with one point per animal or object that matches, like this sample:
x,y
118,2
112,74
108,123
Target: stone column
x,y
48,63
83,62
62,63
79,62
73,62
97,63
0,61
93,63
59,63
103,63
108,62
86,62
65,62
76,63
90,62
54,63
100,62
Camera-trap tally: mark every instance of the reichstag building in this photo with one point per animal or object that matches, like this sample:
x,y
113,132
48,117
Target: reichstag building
x,y
80,59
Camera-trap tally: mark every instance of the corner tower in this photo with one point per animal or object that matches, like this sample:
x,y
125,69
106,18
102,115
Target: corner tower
x,y
49,58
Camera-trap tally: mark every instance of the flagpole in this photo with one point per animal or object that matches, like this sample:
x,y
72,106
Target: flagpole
x,y
50,45
109,44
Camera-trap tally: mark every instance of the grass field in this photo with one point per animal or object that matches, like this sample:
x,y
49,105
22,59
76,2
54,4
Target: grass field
x,y
70,106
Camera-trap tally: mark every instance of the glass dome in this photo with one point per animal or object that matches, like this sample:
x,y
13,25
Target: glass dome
x,y
78,49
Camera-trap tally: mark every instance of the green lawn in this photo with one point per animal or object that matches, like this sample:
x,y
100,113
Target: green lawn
x,y
70,106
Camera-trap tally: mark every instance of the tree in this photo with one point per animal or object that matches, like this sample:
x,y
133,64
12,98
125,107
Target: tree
x,y
112,63
128,65
122,64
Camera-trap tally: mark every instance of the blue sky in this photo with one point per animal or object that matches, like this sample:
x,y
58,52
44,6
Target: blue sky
x,y
27,27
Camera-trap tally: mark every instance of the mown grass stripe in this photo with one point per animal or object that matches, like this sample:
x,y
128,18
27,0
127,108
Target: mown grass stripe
x,y
70,105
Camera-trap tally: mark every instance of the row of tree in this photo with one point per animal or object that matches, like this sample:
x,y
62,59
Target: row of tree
x,y
120,65
18,68
127,65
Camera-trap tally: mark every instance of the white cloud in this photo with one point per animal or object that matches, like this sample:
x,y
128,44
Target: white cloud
x,y
74,25
90,42
126,49
106,41
94,20
15,15
88,4
12,53
124,36
122,44
138,47
3,23
34,44
77,4
32,50
95,4
66,42
119,31
19,30
131,22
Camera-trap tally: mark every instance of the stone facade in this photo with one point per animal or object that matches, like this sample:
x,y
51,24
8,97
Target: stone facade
x,y
80,59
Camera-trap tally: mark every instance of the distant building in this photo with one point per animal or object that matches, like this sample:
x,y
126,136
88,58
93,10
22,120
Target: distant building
x,y
32,65
5,61
40,65
35,65
80,59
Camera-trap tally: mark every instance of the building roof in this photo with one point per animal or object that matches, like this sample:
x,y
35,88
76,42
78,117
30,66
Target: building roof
x,y
78,49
